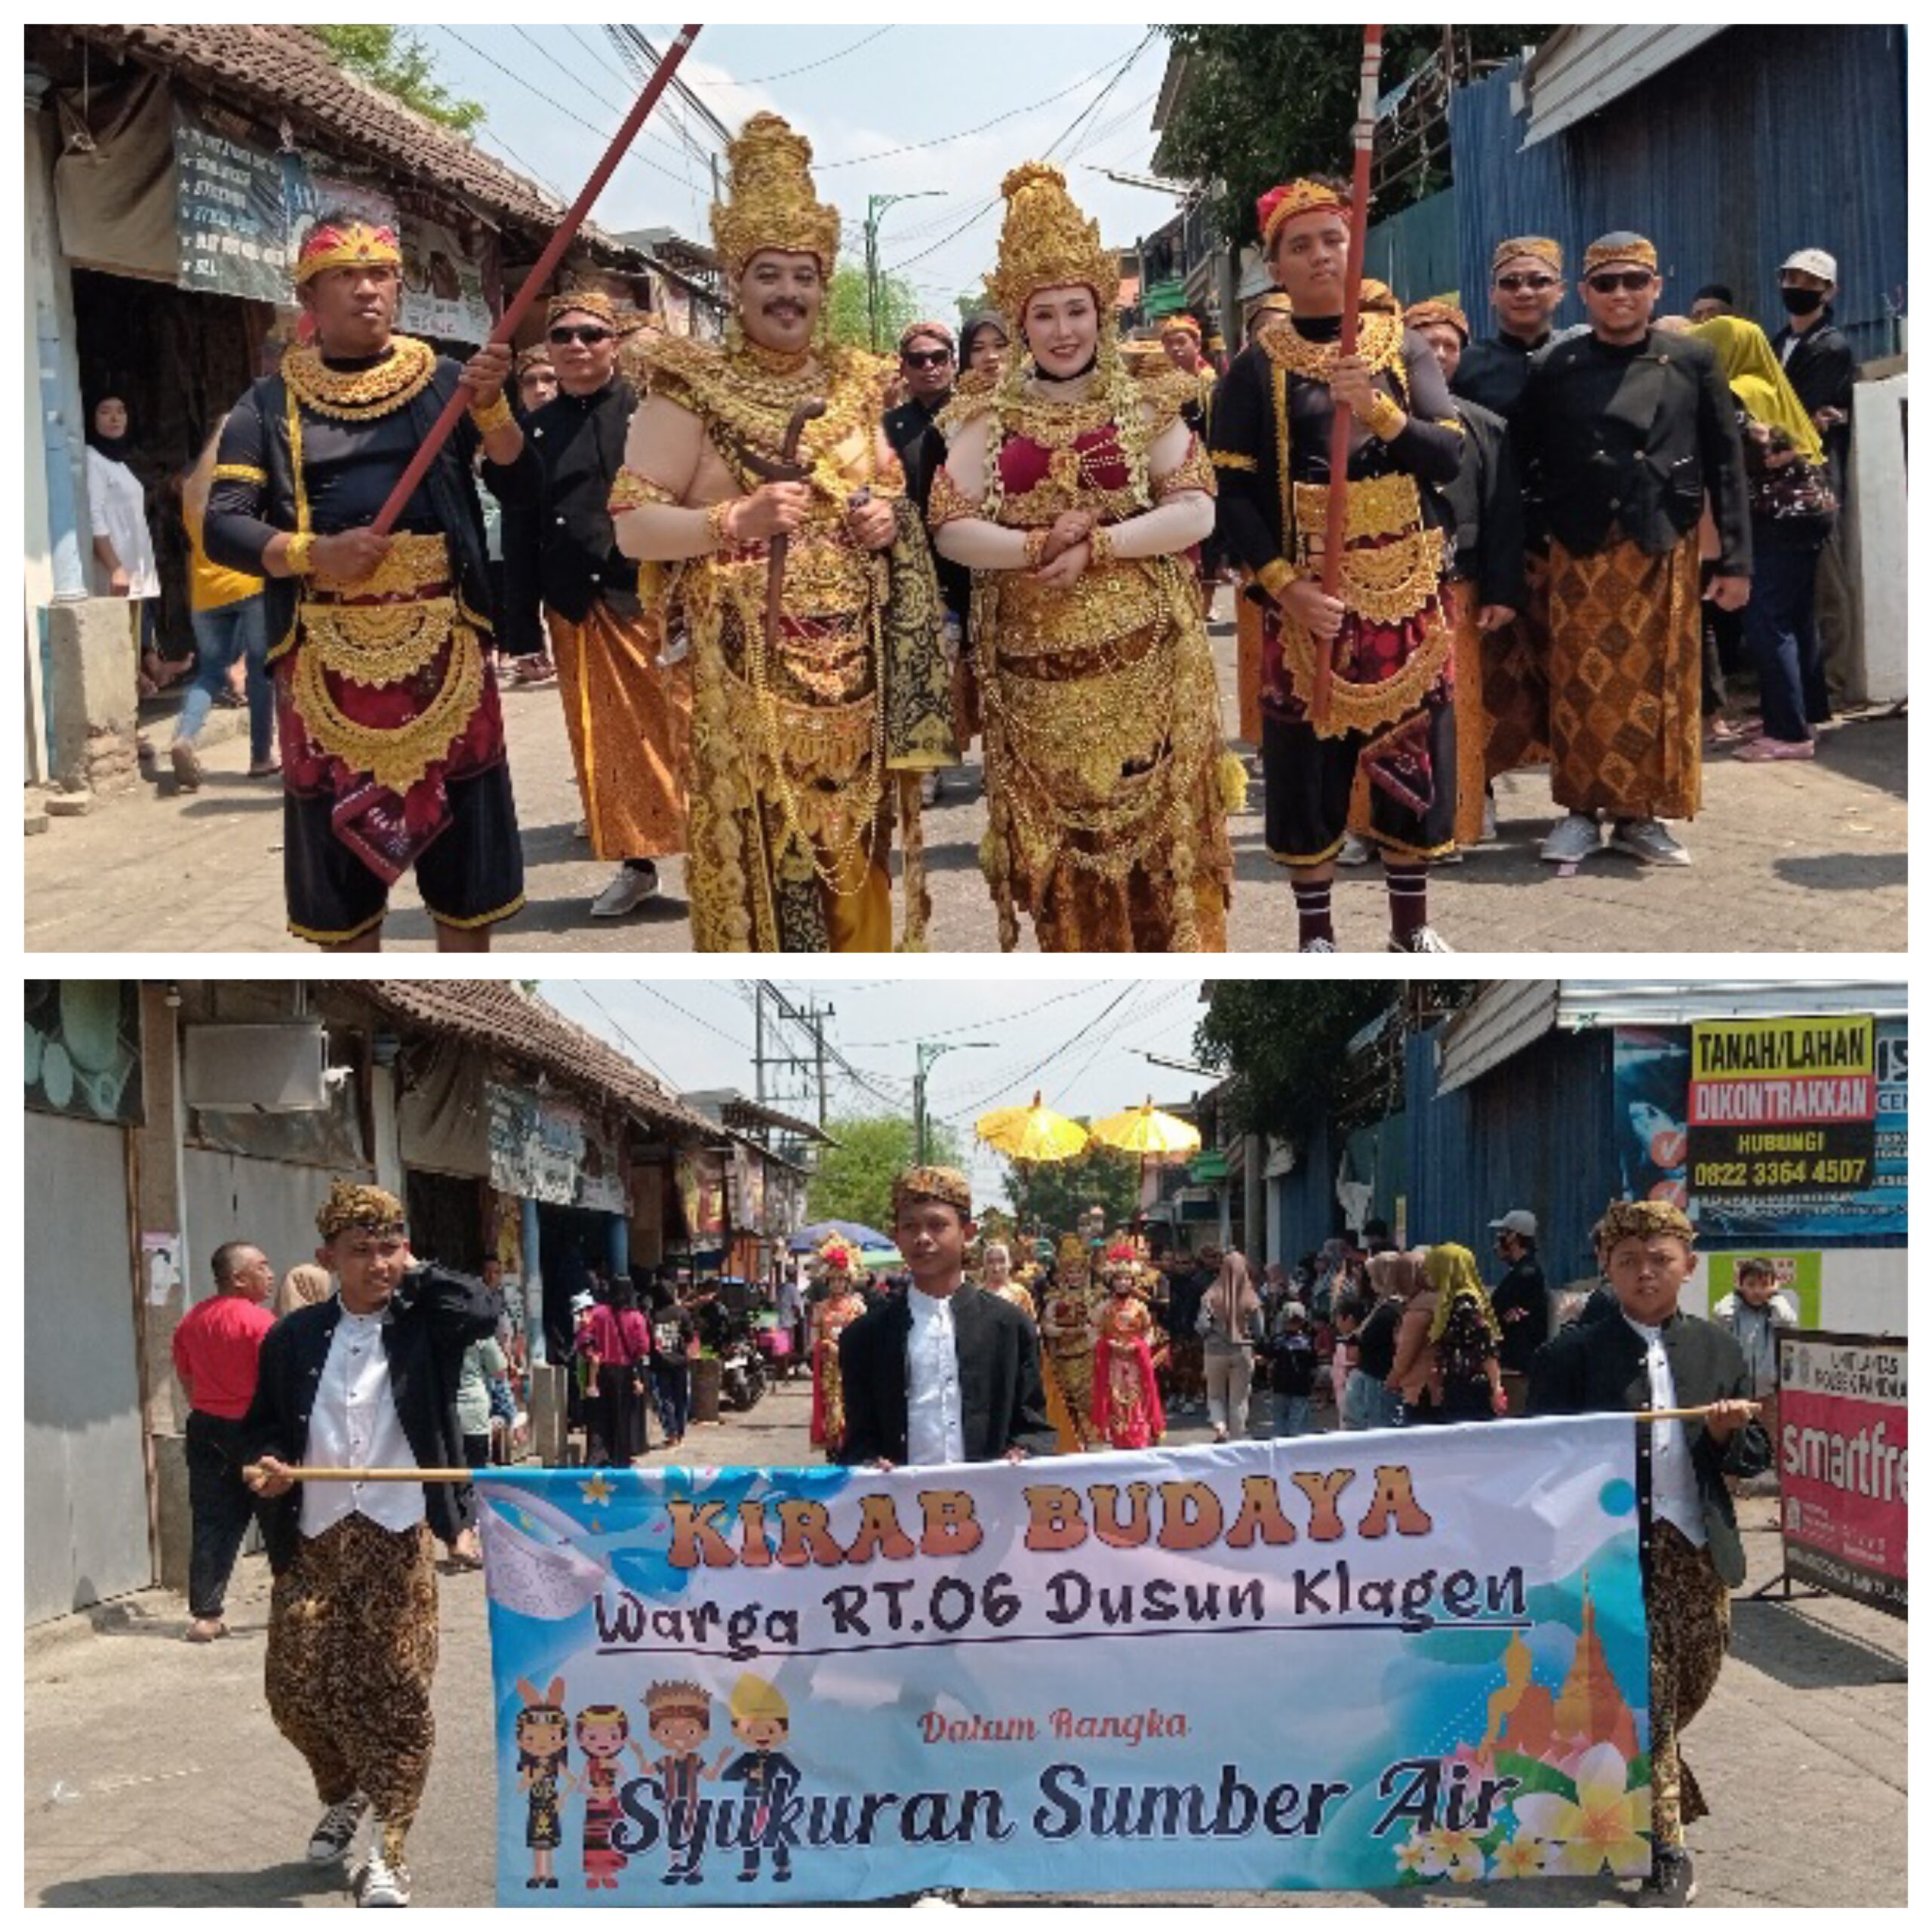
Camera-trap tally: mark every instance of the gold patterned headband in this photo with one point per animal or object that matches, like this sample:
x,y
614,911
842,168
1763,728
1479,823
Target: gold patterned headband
x,y
944,1184
353,244
1622,247
585,302
1294,197
1622,1218
1539,246
354,1204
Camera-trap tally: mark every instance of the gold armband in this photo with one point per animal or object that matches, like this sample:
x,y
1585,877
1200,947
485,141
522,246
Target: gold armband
x,y
296,556
947,503
1036,548
717,522
1100,547
491,416
632,490
1385,420
1275,577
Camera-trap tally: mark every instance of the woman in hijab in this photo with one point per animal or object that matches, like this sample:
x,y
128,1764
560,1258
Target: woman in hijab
x,y
123,546
1792,511
983,347
1447,1366
1229,1324
303,1283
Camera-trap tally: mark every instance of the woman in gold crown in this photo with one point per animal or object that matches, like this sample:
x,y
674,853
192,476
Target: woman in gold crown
x,y
1067,1337
1128,1352
799,725
1072,492
842,1305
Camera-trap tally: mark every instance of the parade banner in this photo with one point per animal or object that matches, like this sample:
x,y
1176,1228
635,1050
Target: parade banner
x,y
1841,1464
1786,1105
1372,1660
1653,1073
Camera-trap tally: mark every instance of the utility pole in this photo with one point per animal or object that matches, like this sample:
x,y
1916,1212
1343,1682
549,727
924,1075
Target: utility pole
x,y
876,207
757,1039
925,1052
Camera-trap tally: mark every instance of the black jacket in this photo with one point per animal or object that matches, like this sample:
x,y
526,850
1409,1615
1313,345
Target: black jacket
x,y
430,1320
1822,370
1003,1403
1590,1367
1486,498
1522,1288
1492,373
1630,439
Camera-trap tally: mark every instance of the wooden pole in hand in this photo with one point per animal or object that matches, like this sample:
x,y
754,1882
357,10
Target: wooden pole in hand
x,y
547,263
1338,442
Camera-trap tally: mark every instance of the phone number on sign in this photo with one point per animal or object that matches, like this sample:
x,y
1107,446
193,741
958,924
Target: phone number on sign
x,y
1844,1171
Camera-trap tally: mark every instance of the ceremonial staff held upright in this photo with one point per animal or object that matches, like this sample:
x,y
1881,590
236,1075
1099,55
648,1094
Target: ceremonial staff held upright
x,y
1338,445
547,263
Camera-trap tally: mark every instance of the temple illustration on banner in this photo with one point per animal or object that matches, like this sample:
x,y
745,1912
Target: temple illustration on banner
x,y
1526,1721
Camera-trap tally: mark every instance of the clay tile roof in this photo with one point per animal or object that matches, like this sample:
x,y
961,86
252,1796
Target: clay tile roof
x,y
490,1013
287,70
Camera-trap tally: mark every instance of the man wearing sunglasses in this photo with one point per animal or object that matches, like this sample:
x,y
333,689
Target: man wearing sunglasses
x,y
1525,290
1625,431
628,712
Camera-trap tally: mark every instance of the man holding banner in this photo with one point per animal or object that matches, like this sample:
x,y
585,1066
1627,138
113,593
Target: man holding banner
x,y
1653,1356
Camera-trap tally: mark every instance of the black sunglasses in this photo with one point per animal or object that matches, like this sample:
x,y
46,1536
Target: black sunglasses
x,y
1511,283
925,358
585,332
1634,280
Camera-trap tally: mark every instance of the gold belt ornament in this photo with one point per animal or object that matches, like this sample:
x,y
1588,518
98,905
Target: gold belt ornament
x,y
377,644
413,563
394,756
1391,563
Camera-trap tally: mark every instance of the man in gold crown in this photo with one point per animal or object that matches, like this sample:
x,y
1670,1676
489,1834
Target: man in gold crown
x,y
816,682
1072,493
391,737
1386,632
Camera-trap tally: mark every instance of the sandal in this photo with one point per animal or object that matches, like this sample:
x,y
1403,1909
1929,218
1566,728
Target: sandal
x,y
1767,751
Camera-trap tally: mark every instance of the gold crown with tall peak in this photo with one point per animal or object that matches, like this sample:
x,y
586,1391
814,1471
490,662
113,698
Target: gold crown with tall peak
x,y
1047,243
773,204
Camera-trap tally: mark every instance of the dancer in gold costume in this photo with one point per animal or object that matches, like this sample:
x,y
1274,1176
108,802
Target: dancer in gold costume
x,y
1067,1337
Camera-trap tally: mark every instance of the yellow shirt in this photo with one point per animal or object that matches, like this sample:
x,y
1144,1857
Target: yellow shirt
x,y
210,585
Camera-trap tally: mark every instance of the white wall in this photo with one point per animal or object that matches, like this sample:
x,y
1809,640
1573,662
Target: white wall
x,y
1879,543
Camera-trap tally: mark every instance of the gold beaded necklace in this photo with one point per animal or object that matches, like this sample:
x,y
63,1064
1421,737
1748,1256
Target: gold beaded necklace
x,y
353,396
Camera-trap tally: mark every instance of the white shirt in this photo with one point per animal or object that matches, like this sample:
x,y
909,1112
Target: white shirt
x,y
1673,1482
934,1428
119,512
354,1425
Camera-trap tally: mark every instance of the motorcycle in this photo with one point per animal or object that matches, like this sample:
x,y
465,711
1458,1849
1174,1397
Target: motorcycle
x,y
742,1375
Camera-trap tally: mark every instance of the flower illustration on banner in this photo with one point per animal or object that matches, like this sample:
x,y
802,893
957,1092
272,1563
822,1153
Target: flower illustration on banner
x,y
1459,1854
598,1490
1416,1856
1519,1858
1606,1825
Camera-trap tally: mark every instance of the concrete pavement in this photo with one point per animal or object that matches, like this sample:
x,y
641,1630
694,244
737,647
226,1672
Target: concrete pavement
x,y
1801,857
154,1776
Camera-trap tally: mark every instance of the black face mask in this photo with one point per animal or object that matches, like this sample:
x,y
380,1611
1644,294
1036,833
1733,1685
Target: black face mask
x,y
1803,301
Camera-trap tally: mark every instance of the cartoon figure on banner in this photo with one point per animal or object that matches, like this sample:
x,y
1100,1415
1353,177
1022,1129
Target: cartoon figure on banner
x,y
761,1719
543,1761
603,1733
678,1716
1127,1399
843,1305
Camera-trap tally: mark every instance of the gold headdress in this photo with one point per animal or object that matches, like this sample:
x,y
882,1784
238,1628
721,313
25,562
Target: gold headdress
x,y
1622,1218
1623,246
838,1256
354,1204
753,1698
1046,243
582,301
773,204
1426,315
348,244
946,1184
1540,246
1294,197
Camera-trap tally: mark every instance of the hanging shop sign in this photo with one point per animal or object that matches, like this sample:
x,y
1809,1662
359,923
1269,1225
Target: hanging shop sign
x,y
231,213
548,1149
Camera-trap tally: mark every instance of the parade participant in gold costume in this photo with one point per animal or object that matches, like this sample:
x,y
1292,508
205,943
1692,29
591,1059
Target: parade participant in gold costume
x,y
1385,632
1071,493
391,737
1128,1350
802,714
1067,1333
997,1278
843,1304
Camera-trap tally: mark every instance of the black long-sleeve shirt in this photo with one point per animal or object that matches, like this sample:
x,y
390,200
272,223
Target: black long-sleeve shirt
x,y
1249,506
1629,437
573,448
1492,372
1486,497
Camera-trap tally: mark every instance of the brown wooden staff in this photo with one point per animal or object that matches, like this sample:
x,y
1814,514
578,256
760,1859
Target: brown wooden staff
x,y
1338,442
547,263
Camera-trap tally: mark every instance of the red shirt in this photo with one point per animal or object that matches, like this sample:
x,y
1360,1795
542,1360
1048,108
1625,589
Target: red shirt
x,y
215,1352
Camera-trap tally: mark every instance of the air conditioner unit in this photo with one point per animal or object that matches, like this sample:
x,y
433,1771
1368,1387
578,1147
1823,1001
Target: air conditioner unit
x,y
273,1069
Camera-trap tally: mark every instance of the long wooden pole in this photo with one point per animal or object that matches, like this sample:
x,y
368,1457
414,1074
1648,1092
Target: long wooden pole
x,y
470,1475
1338,442
546,264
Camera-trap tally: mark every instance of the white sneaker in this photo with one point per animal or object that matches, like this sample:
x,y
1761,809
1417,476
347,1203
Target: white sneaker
x,y
1355,851
1424,938
383,1883
1646,839
1574,840
1319,946
335,1832
625,893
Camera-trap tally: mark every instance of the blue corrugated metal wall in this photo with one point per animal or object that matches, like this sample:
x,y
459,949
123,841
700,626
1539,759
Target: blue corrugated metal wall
x,y
1306,1200
1415,252
1763,141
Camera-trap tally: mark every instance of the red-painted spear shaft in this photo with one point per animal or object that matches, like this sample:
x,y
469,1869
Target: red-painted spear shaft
x,y
547,263
1338,446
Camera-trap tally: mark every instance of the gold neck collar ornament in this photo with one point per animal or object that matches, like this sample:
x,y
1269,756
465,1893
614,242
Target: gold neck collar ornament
x,y
354,394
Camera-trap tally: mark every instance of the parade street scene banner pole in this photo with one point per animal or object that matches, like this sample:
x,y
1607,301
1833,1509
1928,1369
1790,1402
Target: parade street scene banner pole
x,y
534,281
1351,1661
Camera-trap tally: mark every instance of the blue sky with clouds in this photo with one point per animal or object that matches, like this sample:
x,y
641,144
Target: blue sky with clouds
x,y
554,93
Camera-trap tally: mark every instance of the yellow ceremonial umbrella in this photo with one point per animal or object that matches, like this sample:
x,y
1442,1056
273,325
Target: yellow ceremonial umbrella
x,y
1148,1132
1027,1135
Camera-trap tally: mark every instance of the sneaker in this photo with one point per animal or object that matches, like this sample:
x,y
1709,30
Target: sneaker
x,y
1424,938
625,893
382,1882
1672,1881
1319,946
1645,839
1572,841
337,1832
187,763
1355,851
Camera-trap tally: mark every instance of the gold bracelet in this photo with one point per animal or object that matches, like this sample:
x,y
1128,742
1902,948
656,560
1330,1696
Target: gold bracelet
x,y
1275,577
491,416
1035,547
1386,421
717,522
1099,546
295,558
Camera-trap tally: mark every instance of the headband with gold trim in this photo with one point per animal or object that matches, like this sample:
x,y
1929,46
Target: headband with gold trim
x,y
1294,197
357,244
1621,246
1539,246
